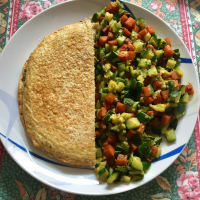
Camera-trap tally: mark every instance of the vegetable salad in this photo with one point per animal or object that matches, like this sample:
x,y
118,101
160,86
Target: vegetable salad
x,y
139,95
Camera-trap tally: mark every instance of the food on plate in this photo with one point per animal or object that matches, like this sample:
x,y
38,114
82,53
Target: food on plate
x,y
56,95
139,95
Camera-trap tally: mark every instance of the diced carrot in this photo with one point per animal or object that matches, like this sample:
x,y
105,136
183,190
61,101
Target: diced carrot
x,y
129,23
130,134
131,55
148,100
146,91
110,36
154,150
120,108
113,68
126,32
112,139
109,151
150,112
133,147
103,40
97,133
123,55
124,47
110,98
130,47
158,99
189,89
175,75
107,105
105,30
102,126
128,41
121,160
168,52
143,32
168,41
102,112
165,119
157,84
112,42
123,18
150,29
141,128
136,28
112,7
164,94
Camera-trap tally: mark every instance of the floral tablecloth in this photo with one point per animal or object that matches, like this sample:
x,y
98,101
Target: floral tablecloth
x,y
180,181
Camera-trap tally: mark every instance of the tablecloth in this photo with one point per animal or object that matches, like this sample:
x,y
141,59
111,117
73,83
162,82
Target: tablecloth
x,y
180,180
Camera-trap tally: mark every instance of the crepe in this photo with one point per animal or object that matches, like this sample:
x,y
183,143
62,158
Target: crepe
x,y
56,95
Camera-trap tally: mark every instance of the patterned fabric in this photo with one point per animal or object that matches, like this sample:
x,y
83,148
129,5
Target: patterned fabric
x,y
179,181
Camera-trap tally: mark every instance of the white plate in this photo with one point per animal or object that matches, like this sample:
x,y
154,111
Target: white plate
x,y
14,55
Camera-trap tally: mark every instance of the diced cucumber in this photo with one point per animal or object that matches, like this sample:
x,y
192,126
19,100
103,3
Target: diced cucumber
x,y
171,63
159,53
151,89
154,41
108,16
132,123
170,135
115,26
143,62
112,177
176,54
180,110
141,22
134,36
121,40
147,37
143,117
121,67
152,71
182,89
147,54
159,107
185,98
126,179
112,55
135,162
98,153
162,43
179,71
138,45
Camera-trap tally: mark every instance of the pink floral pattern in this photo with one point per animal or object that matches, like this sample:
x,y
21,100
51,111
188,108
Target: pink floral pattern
x,y
188,186
155,5
47,3
29,9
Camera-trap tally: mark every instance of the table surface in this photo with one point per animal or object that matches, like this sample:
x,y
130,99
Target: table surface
x,y
180,180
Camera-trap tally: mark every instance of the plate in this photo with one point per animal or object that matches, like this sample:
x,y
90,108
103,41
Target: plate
x,y
14,139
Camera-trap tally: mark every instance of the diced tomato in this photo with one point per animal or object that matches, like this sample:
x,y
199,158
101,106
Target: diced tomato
x,y
130,134
130,47
158,99
143,32
107,105
110,98
110,36
129,23
123,55
126,32
102,112
97,133
154,150
150,29
148,159
112,7
131,55
168,41
176,83
164,94
112,42
96,45
105,30
123,18
103,40
109,151
189,89
124,47
168,52
146,91
101,19
120,108
136,28
141,128
157,85
128,41
121,160
150,112
113,68
149,46
133,147
175,75
102,126
165,119
112,139
148,100
155,122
